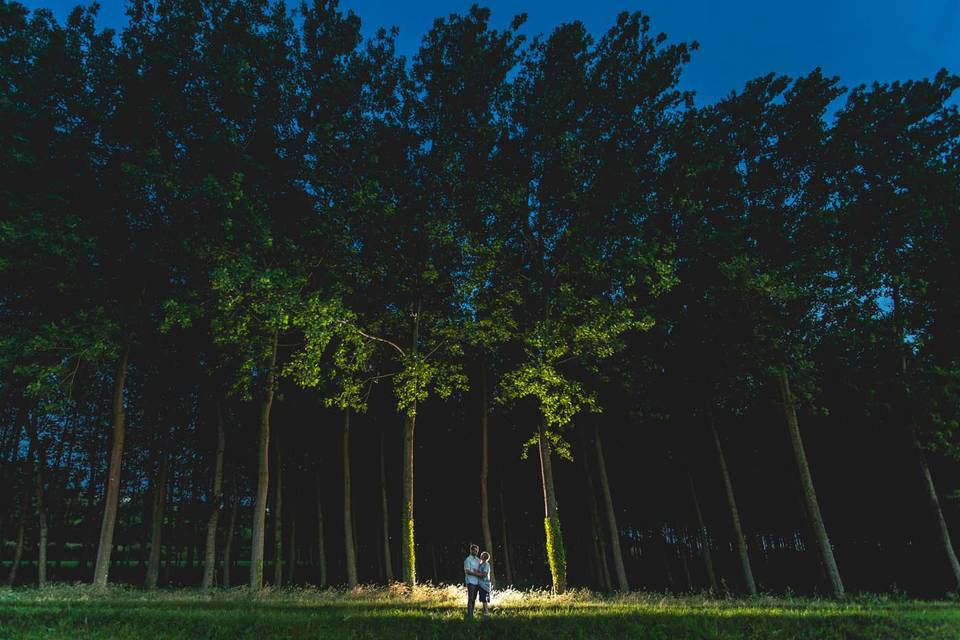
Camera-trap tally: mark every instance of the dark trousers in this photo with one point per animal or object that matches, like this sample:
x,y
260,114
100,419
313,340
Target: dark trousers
x,y
471,598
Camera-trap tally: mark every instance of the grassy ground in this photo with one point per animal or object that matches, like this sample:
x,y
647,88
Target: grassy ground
x,y
437,612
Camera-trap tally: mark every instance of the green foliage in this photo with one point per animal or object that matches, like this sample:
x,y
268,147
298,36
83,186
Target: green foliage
x,y
556,554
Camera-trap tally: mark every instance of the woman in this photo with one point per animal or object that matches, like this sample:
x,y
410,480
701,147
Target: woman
x,y
484,569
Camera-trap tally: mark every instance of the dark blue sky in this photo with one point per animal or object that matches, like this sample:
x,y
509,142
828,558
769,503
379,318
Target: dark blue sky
x,y
859,40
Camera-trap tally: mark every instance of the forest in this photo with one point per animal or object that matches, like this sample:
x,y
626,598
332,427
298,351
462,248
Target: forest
x,y
281,306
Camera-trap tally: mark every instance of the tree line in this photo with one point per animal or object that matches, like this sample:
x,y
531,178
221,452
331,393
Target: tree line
x,y
236,233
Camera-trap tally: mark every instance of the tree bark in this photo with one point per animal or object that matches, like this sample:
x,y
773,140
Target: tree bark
x,y
934,503
17,553
485,467
156,519
384,509
348,541
41,521
704,534
216,497
508,570
228,543
263,475
408,551
556,555
611,516
322,555
111,501
278,519
739,539
596,528
806,484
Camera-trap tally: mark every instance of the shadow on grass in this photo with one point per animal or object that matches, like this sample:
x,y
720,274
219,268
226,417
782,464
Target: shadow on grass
x,y
335,620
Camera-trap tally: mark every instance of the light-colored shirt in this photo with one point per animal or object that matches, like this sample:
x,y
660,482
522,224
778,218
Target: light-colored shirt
x,y
472,563
485,580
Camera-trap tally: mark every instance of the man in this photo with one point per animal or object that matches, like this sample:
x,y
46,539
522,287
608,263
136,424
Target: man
x,y
472,575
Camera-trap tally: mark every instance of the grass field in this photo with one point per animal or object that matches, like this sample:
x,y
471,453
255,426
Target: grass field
x,y
437,612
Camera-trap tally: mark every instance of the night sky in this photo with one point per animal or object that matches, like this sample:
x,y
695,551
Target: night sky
x,y
859,40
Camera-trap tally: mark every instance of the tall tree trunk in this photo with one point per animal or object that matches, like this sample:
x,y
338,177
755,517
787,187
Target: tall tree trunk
x,y
739,539
278,519
611,516
111,501
322,555
41,520
702,531
806,483
348,540
508,570
263,476
216,497
384,510
228,543
485,467
556,555
17,552
934,503
156,519
596,528
408,550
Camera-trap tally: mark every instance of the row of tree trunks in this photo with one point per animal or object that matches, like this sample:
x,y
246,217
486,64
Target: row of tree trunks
x,y
156,518
263,475
111,500
216,497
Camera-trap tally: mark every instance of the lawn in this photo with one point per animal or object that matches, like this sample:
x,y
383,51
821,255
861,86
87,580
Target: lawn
x,y
437,612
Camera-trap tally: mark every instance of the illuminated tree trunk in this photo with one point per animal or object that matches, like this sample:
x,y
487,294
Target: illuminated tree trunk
x,y
806,484
739,539
556,555
102,567
348,541
263,476
387,563
210,557
611,516
408,552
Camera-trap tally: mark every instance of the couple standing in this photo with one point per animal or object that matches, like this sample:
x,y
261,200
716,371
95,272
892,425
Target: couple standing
x,y
476,572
